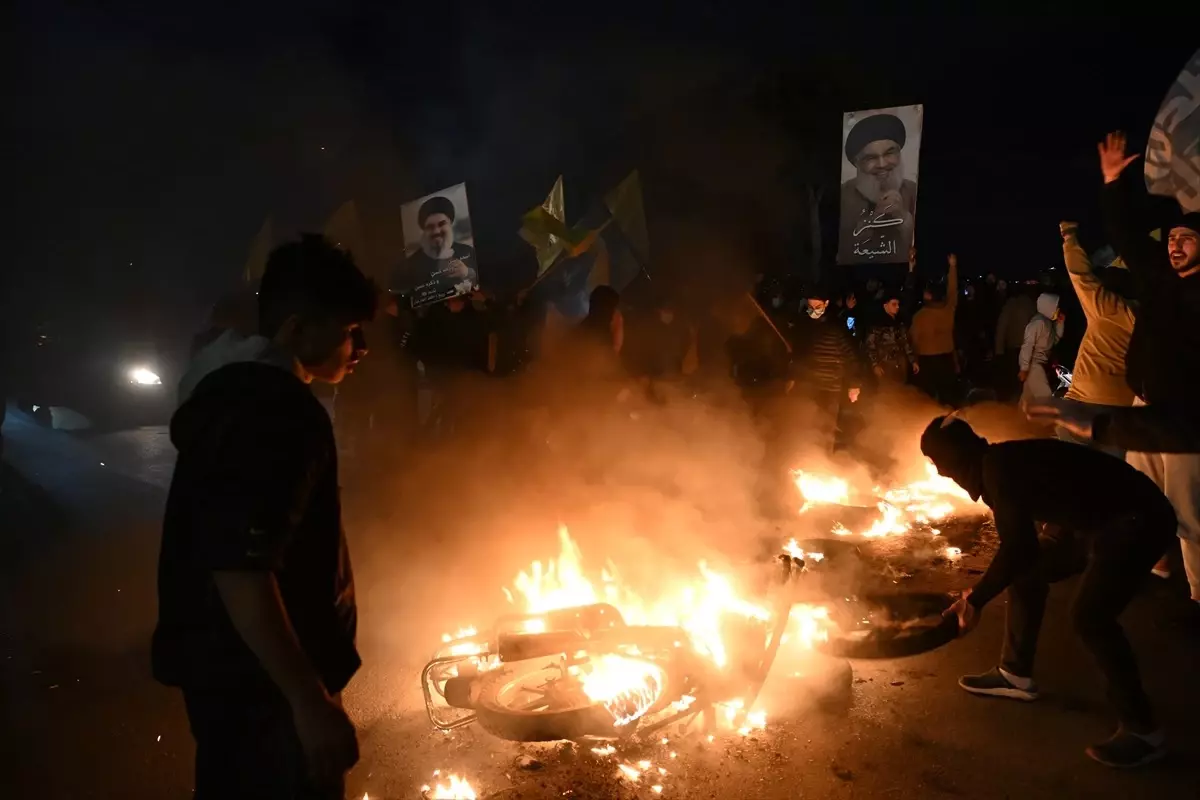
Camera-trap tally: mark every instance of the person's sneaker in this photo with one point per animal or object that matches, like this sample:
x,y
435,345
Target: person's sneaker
x,y
993,684
1126,750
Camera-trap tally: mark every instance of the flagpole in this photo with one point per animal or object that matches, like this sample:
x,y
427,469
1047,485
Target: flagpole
x,y
767,319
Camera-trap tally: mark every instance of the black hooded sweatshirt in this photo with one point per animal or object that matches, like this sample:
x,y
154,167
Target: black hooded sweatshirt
x,y
255,489
1042,480
1163,361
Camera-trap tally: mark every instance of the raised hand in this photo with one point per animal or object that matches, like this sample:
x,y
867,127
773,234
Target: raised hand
x,y
1113,160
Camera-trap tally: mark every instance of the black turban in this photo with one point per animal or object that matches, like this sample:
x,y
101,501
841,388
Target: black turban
x,y
874,128
435,205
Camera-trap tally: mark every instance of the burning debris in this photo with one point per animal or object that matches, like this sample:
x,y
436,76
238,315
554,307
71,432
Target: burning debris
x,y
900,509
587,655
456,788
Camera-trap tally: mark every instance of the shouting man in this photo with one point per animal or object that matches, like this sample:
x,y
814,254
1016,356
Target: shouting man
x,y
1112,525
1164,350
256,612
878,206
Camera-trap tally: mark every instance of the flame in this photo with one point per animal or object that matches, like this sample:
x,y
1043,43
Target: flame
x,y
793,549
921,502
810,624
696,607
457,789
628,687
819,490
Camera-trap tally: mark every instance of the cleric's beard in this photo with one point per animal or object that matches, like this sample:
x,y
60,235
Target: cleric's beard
x,y
438,252
872,188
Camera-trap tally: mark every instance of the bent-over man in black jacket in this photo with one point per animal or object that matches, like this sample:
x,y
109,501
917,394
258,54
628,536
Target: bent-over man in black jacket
x,y
1115,524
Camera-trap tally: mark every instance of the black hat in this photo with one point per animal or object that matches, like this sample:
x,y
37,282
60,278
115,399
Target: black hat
x,y
956,450
874,128
435,205
1190,220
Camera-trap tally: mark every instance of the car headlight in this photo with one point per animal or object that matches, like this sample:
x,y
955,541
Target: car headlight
x,y
144,377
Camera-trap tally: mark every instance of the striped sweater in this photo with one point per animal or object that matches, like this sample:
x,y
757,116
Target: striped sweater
x,y
824,357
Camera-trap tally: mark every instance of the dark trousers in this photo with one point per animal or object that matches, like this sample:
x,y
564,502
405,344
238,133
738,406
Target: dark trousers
x,y
247,747
938,379
1114,563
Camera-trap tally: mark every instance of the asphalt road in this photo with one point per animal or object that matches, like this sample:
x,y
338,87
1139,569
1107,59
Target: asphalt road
x,y
82,718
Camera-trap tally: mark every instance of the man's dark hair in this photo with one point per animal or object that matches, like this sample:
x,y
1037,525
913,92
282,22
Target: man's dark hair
x,y
314,279
435,205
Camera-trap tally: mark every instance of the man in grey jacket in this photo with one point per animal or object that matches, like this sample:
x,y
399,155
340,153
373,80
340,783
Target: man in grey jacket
x,y
1041,334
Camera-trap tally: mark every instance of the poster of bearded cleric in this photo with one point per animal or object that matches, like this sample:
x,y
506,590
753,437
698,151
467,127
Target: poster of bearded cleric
x,y
880,152
439,254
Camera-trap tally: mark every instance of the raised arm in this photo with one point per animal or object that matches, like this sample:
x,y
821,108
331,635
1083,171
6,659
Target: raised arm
x,y
952,283
1146,258
1097,301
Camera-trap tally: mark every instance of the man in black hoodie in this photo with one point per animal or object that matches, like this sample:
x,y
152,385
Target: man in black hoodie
x,y
1164,351
825,363
1113,524
257,617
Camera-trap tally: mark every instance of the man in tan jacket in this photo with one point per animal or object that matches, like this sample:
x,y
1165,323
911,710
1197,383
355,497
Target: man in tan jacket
x,y
932,337
1099,376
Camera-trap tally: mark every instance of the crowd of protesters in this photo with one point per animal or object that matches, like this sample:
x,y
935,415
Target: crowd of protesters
x,y
253,516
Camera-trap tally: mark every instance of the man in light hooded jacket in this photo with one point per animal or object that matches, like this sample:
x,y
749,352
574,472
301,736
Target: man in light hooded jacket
x,y
1099,375
1041,334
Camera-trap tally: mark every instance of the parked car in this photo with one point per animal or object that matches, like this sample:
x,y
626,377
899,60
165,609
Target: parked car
x,y
108,384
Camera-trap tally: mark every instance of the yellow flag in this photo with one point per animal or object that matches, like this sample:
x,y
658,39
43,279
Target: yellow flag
x,y
629,215
544,227
260,248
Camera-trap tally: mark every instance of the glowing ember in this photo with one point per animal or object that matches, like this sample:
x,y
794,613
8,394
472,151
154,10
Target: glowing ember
x,y
953,552
818,490
629,772
457,789
627,687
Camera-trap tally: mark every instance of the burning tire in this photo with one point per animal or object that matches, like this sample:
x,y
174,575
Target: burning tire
x,y
542,703
890,626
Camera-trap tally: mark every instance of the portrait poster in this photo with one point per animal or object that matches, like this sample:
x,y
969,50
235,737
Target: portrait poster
x,y
1173,154
878,203
439,249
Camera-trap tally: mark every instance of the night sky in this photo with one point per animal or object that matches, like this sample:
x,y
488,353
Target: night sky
x,y
151,144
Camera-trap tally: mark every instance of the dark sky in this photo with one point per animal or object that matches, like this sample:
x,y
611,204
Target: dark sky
x,y
151,144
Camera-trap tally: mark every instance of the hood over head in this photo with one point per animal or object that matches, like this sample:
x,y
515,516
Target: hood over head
x,y
235,381
957,452
231,348
1047,304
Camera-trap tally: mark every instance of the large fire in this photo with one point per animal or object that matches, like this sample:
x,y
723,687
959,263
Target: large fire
x,y
626,685
921,502
697,607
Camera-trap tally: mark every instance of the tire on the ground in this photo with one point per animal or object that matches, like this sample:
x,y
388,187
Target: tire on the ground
x,y
893,642
536,726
